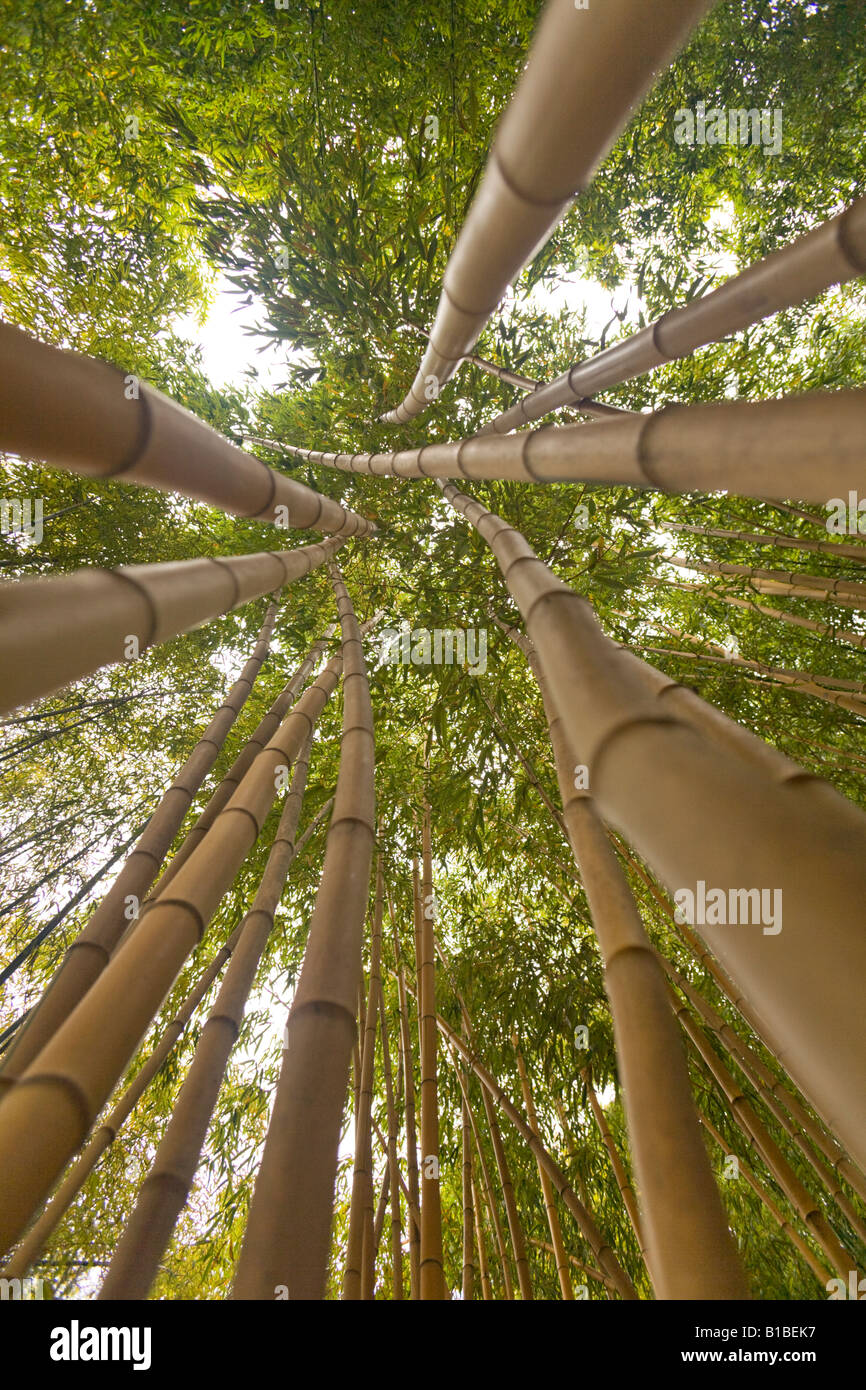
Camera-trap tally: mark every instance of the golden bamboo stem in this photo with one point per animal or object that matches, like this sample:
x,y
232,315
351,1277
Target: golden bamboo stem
x,y
626,1190
547,1192
483,1268
393,1160
775,538
86,417
288,1231
515,1229
468,1273
405,1040
432,1284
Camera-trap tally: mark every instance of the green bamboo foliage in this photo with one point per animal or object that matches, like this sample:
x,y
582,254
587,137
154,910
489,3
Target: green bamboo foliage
x,y
167,1186
774,538
547,1192
45,1116
90,952
840,634
643,741
358,1274
486,1189
432,1278
850,593
287,1234
515,1230
626,1190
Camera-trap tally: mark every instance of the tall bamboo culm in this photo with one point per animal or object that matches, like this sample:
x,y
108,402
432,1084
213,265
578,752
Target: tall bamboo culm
x,y
287,1235
89,954
563,1273
167,1186
432,1281
405,1039
678,793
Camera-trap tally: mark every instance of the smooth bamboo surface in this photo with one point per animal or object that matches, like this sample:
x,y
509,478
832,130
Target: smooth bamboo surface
x,y
288,1231
700,811
53,631
81,415
432,1280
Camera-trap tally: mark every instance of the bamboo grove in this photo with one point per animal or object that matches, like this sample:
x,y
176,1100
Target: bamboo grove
x,y
366,738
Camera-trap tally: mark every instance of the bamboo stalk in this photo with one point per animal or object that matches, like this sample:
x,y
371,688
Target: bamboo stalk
x,y
677,790
166,1188
558,1247
831,254
855,639
795,583
578,1264
747,1120
357,1274
393,1161
53,631
775,538
287,1234
468,1275
803,684
690,1253
602,1251
104,1136
486,1183
515,1230
87,417
47,1113
483,1269
432,1280
576,93
405,1039
89,954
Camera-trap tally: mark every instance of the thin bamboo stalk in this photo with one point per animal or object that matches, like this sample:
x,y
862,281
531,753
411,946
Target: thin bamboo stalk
x,y
47,1113
87,417
622,1181
775,538
796,583
287,1235
831,254
578,1264
690,1253
104,1136
760,1190
515,1229
855,639
89,954
405,1039
53,631
483,1268
432,1284
487,1189
468,1276
547,1192
800,1198
357,1274
166,1188
579,88
393,1161
602,1251
803,684
677,789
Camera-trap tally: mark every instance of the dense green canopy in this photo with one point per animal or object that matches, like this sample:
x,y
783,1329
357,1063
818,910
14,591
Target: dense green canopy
x,y
323,157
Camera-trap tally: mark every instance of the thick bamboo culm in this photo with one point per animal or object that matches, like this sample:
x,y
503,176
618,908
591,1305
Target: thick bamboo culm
x,y
512,1215
824,1142
467,1284
829,255
105,1134
775,538
603,1252
393,1159
432,1280
626,1191
89,954
810,446
575,95
689,1249
748,1122
677,790
558,1247
288,1230
45,1116
824,587
760,1190
53,631
166,1188
84,416
358,1273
